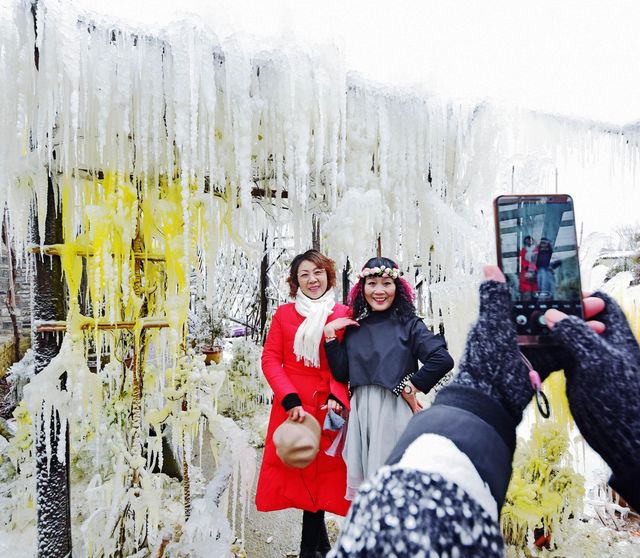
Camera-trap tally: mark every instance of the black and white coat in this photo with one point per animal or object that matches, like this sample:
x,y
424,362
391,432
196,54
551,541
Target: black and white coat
x,y
442,487
441,491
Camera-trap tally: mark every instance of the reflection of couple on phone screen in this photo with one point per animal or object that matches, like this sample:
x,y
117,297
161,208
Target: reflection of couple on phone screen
x,y
536,269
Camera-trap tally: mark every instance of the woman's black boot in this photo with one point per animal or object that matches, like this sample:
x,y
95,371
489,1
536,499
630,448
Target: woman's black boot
x,y
312,527
324,546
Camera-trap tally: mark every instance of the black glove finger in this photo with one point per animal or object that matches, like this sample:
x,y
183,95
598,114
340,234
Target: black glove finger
x,y
494,331
603,400
617,329
579,341
495,304
491,337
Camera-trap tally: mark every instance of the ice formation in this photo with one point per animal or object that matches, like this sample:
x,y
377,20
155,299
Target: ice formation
x,y
229,128
170,148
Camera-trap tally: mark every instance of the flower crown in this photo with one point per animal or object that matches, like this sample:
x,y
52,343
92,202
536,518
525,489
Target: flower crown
x,y
394,273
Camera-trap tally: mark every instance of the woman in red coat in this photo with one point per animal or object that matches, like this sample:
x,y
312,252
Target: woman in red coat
x,y
295,365
528,268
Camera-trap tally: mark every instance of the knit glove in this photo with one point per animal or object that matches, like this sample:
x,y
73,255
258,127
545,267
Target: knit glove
x,y
603,385
492,361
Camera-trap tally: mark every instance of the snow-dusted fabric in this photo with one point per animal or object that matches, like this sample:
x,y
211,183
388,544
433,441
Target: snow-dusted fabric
x,y
407,513
306,345
376,422
431,453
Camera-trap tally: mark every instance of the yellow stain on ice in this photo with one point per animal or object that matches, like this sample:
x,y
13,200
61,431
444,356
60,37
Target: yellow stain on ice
x,y
101,219
544,488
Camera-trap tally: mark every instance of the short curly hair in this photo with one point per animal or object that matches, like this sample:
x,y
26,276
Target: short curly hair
x,y
318,259
402,305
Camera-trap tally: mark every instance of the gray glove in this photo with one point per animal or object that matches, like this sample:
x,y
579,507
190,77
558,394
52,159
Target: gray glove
x,y
603,385
492,361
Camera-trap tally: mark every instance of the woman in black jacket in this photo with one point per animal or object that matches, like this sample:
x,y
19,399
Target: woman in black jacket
x,y
379,356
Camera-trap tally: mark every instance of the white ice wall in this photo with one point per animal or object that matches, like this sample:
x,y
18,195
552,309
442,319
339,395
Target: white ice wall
x,y
175,100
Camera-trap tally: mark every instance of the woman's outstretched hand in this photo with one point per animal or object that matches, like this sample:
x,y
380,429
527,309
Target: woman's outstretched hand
x,y
491,360
338,324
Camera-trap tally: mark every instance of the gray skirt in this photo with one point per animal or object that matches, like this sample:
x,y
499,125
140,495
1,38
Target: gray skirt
x,y
376,421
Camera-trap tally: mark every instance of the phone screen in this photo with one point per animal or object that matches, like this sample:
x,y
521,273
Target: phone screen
x,y
538,253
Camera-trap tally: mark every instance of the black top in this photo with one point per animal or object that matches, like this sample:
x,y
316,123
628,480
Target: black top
x,y
544,257
385,351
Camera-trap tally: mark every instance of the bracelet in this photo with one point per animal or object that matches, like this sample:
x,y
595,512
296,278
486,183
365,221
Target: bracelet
x,y
332,338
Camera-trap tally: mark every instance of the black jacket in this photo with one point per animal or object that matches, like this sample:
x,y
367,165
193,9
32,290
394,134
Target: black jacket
x,y
385,351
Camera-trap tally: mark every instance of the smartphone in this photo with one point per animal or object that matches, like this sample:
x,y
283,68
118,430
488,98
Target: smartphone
x,y
537,251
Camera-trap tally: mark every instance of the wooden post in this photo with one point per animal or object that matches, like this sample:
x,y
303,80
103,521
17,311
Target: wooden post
x,y
11,301
379,247
345,281
315,232
264,283
419,289
52,476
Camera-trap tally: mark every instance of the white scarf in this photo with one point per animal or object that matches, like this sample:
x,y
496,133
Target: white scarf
x,y
316,311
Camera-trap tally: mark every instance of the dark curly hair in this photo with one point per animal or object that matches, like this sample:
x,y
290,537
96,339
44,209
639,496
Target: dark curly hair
x,y
402,305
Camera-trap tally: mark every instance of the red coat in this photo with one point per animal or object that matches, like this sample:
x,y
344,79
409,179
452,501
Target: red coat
x,y
322,484
528,281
